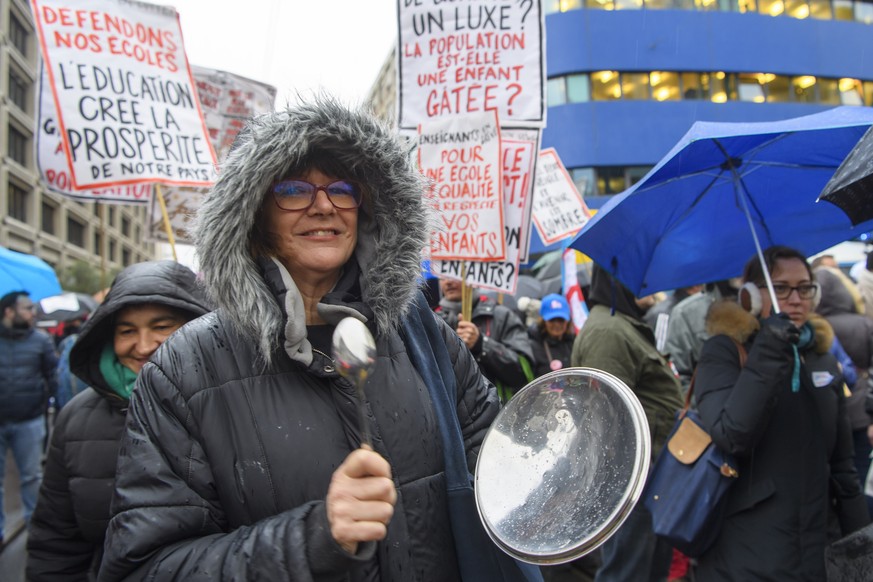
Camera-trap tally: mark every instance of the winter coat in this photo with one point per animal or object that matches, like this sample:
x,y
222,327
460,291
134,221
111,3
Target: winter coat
x,y
28,375
560,349
794,450
502,340
686,332
841,305
865,288
65,540
239,421
615,339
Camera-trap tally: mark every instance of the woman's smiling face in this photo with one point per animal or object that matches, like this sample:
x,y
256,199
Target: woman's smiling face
x,y
315,243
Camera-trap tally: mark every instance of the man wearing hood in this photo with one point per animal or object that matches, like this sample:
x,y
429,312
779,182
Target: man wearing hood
x,y
617,340
147,302
242,458
27,380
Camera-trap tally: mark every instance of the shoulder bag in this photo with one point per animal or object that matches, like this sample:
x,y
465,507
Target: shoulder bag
x,y
686,490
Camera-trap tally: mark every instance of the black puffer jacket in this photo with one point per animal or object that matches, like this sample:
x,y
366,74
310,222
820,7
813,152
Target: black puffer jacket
x,y
240,420
502,341
794,451
65,541
546,349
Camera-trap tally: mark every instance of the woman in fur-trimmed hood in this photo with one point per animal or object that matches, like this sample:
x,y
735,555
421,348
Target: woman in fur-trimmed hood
x,y
242,458
782,415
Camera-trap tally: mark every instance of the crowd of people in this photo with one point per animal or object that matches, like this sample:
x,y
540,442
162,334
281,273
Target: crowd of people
x,y
216,438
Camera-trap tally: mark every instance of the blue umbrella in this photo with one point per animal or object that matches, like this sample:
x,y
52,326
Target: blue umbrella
x,y
22,272
724,191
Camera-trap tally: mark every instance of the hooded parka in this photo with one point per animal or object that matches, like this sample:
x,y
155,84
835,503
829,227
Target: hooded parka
x,y
65,540
794,450
238,423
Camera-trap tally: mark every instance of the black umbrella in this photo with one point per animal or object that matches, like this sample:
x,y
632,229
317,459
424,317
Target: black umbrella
x,y
851,187
57,309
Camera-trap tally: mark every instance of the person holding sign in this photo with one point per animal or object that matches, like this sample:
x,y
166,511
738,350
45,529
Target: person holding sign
x,y
242,457
494,335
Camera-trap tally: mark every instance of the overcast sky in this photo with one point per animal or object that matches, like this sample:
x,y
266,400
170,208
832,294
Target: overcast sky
x,y
294,45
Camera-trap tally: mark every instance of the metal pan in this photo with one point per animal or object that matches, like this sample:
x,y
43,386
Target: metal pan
x,y
562,465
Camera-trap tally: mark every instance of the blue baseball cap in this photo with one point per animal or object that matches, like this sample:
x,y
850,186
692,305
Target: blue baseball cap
x,y
554,306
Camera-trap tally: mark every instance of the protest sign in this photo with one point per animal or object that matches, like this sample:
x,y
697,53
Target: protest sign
x,y
227,101
518,153
127,109
471,56
460,154
52,163
558,209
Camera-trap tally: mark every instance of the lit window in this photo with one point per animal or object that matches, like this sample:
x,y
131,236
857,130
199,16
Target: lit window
x,y
843,10
705,5
556,91
820,9
600,4
604,86
610,180
635,85
749,87
868,93
578,89
665,86
747,6
771,7
804,89
692,86
777,88
797,9
628,4
850,91
721,87
829,91
567,5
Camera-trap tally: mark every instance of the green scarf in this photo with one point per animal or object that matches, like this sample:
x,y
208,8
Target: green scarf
x,y
120,378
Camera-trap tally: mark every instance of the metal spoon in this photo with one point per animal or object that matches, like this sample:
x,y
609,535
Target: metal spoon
x,y
354,352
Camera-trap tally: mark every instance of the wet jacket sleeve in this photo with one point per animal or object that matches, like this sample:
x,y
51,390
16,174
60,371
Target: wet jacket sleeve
x,y
499,352
168,523
56,547
736,403
477,400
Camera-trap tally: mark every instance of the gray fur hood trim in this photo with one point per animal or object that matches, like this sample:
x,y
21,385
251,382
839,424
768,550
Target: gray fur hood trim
x,y
393,222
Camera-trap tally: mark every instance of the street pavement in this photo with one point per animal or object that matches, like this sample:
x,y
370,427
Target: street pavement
x,y
14,555
13,558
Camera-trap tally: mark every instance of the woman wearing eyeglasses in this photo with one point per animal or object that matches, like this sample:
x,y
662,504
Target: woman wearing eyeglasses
x,y
242,458
782,415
